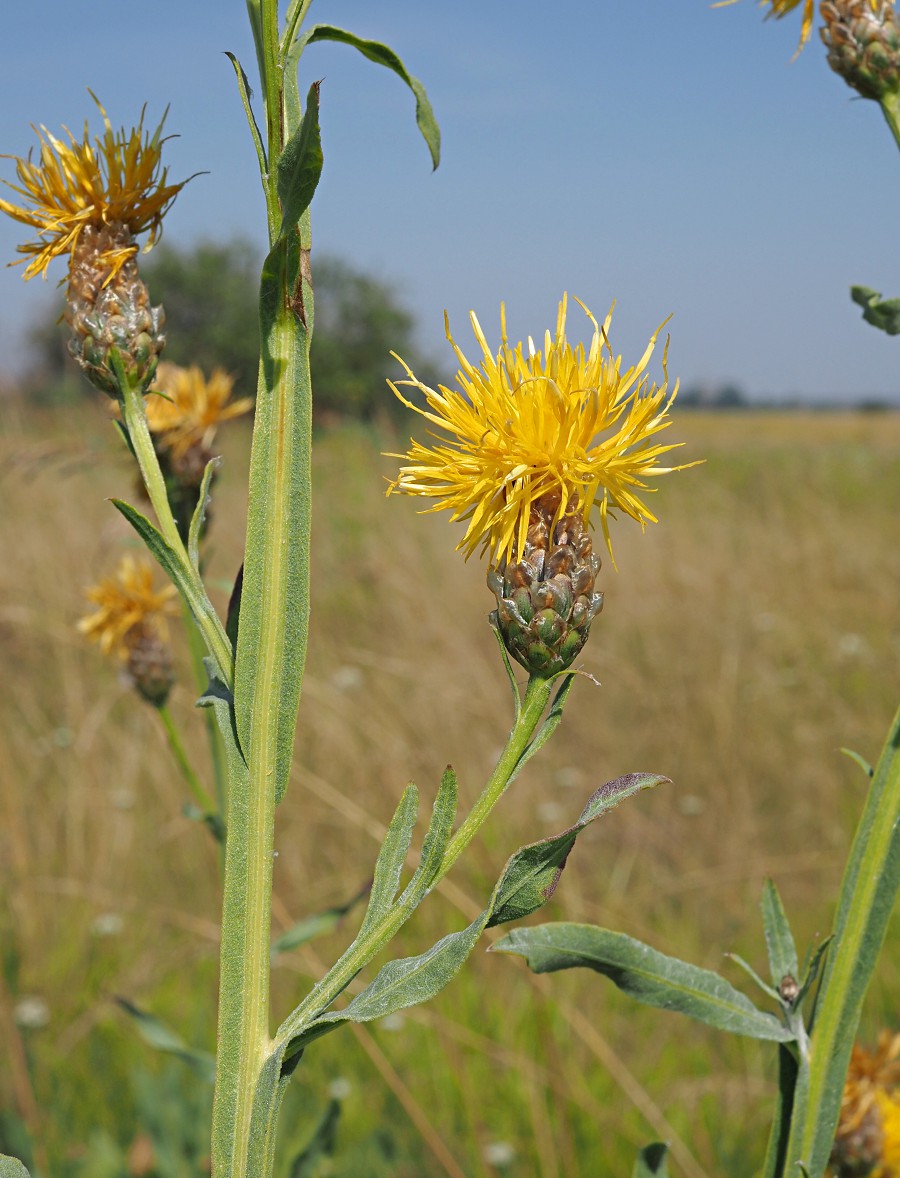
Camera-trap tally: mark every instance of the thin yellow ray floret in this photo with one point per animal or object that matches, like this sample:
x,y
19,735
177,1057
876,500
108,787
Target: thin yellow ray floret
x,y
563,422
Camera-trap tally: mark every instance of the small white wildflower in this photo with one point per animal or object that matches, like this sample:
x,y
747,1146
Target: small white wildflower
x,y
31,1012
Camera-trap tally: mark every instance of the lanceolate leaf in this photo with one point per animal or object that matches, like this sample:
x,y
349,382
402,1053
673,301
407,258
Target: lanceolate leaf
x,y
391,858
199,515
163,1038
274,612
779,939
381,55
532,874
647,975
527,882
868,892
300,165
316,925
436,839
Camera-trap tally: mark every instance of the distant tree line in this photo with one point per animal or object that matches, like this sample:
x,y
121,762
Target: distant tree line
x,y
209,292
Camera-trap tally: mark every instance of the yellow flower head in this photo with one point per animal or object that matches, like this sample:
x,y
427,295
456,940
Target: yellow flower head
x,y
192,407
128,606
563,425
116,180
780,8
868,1129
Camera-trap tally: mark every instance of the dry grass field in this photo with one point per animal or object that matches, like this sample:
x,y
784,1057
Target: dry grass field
x,y
744,640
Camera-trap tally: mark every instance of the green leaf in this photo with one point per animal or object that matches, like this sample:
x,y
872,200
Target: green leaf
x,y
181,574
199,516
651,1162
781,1122
866,900
780,945
527,882
860,760
274,611
381,55
163,1038
531,875
885,315
316,925
391,859
811,967
12,1168
321,1145
300,165
245,92
510,674
436,838
647,975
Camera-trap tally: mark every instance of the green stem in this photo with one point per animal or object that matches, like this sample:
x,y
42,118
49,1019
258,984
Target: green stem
x,y
201,797
362,951
189,583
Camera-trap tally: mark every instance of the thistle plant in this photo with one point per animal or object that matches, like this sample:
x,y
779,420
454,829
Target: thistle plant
x,y
540,444
836,1108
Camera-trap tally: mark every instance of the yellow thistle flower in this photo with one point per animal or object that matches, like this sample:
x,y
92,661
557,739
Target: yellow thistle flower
x,y
868,1133
192,406
114,181
563,425
780,8
129,607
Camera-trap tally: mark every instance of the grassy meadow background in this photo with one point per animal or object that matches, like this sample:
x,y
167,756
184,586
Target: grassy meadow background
x,y
745,639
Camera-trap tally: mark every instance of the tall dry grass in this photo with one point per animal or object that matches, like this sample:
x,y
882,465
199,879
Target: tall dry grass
x,y
744,640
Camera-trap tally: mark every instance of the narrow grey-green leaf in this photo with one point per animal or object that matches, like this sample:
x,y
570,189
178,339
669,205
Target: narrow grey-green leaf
x,y
510,674
811,969
274,611
533,872
436,838
300,165
651,1162
182,576
163,1038
407,981
159,548
865,903
12,1168
391,859
244,89
322,1144
781,1122
381,55
644,973
199,516
316,925
783,961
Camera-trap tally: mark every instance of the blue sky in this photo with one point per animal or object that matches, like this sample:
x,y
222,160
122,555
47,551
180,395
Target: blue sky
x,y
664,154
